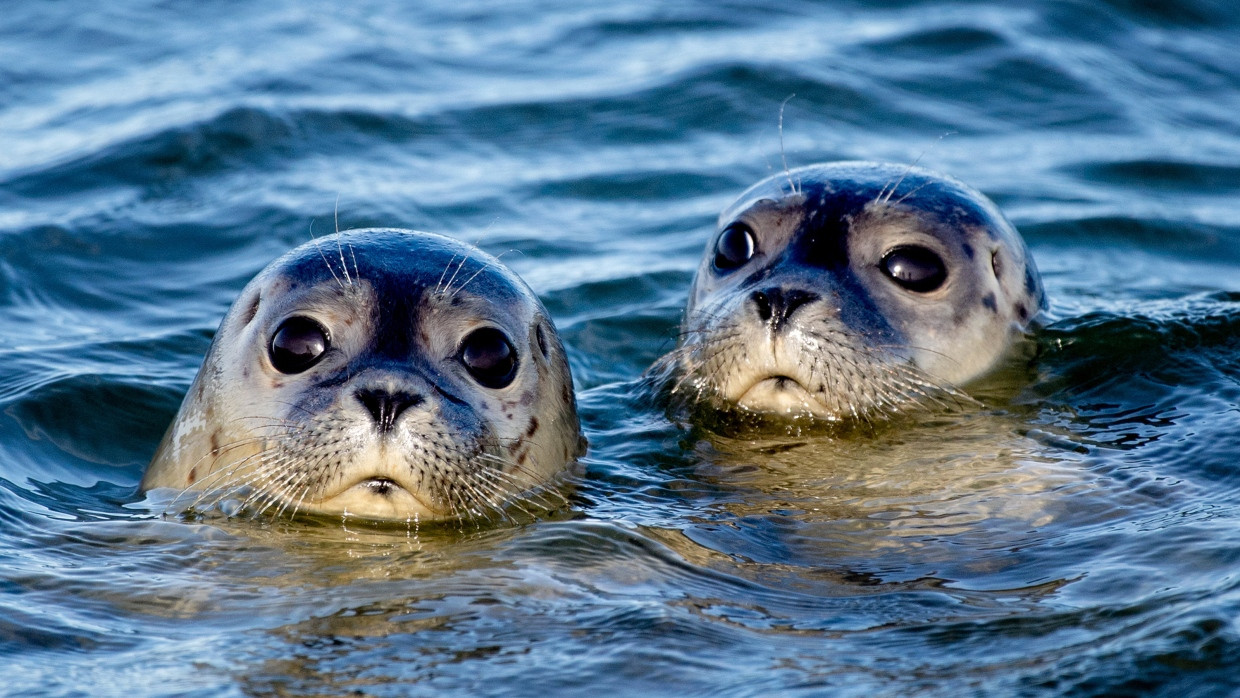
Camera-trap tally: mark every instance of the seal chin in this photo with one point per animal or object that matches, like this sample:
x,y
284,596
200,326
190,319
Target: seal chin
x,y
781,394
377,497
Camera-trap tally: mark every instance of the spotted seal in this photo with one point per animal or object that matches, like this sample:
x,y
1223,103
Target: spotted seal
x,y
852,290
381,373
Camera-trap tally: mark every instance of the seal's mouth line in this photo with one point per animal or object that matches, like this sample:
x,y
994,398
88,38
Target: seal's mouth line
x,y
379,485
778,383
781,381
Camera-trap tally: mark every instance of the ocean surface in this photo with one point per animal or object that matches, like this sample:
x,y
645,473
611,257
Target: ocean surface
x,y
1077,533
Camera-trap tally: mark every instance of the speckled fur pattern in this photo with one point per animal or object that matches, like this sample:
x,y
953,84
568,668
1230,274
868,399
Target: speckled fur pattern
x,y
397,305
862,347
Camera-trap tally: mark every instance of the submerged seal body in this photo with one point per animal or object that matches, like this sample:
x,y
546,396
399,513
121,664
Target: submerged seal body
x,y
383,374
852,290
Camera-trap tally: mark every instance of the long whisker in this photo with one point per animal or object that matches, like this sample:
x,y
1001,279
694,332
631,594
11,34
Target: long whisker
x,y
783,156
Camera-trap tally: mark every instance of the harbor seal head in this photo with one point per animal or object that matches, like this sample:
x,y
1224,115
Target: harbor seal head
x,y
384,374
851,291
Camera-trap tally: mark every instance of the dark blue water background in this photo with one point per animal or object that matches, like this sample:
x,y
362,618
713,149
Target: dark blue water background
x,y
1078,535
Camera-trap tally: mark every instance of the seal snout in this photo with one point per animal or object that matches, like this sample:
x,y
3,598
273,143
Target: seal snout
x,y
385,406
775,305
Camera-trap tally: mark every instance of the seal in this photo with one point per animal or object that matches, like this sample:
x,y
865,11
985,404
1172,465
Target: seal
x,y
382,374
852,290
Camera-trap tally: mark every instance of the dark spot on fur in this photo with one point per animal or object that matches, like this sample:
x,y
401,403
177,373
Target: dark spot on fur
x,y
193,474
990,302
521,458
215,441
968,250
567,394
1022,311
533,428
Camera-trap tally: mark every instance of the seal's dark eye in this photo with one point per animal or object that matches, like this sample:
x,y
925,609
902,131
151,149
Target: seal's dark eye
x,y
298,344
734,247
915,268
489,357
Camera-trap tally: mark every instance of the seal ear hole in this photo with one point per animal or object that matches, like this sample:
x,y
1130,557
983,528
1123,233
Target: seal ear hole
x,y
298,343
996,263
540,336
918,269
489,357
251,311
734,247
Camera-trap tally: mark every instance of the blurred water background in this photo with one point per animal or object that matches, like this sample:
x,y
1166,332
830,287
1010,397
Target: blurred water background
x,y
1077,535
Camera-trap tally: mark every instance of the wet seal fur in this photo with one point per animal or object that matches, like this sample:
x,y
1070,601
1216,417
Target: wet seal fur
x,y
851,291
382,374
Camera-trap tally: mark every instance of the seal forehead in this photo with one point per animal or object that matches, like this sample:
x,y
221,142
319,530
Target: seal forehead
x,y
408,262
837,191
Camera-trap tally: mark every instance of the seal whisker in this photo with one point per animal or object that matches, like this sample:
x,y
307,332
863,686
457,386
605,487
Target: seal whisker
x,y
213,474
297,484
225,483
486,494
540,494
782,153
447,291
326,263
442,274
344,267
913,191
465,283
515,491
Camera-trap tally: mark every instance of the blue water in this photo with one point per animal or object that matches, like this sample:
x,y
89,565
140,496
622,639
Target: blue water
x,y
1078,534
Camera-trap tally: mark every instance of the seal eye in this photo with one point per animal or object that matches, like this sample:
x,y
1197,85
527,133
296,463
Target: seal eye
x,y
734,247
298,344
915,268
489,357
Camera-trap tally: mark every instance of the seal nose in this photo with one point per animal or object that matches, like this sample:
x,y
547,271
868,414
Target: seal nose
x,y
775,305
386,406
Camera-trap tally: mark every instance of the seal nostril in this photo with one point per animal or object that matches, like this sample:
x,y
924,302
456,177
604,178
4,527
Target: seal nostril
x,y
775,305
762,302
795,299
386,407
